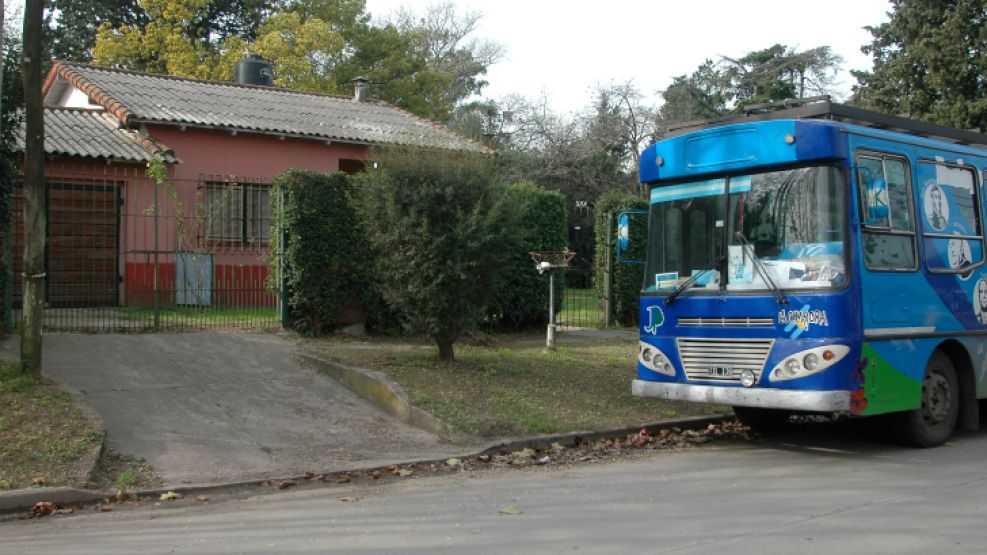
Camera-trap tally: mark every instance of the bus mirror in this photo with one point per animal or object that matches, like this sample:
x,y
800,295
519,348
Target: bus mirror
x,y
631,226
876,201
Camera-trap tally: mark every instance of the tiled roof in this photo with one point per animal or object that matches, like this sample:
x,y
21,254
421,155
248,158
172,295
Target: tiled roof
x,y
95,134
141,97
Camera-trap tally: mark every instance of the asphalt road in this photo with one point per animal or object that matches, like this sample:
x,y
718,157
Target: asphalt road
x,y
806,492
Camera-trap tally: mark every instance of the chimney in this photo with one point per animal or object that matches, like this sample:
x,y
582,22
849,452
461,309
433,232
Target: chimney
x,y
361,84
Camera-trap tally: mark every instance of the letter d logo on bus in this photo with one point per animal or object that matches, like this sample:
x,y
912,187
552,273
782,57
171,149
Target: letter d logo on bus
x,y
655,319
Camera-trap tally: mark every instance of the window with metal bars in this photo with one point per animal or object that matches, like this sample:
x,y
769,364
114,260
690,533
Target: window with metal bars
x,y
237,212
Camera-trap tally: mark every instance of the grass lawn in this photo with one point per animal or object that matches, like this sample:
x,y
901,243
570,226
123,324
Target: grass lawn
x,y
43,434
205,316
513,386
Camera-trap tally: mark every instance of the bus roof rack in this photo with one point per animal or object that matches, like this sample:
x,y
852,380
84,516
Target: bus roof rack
x,y
821,107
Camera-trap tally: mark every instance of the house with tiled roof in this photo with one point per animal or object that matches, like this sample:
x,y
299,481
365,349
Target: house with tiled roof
x,y
201,237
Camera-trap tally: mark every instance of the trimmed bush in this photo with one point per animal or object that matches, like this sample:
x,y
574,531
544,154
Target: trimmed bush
x,y
326,261
523,300
11,116
443,235
627,278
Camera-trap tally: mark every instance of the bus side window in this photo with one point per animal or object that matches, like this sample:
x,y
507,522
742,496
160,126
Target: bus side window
x,y
888,241
951,222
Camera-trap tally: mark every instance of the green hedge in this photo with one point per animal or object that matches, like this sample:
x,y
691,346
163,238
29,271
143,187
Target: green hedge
x,y
627,278
443,233
326,261
523,300
12,104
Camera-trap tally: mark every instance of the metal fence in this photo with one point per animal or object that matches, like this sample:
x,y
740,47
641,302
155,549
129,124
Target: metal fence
x,y
581,304
125,253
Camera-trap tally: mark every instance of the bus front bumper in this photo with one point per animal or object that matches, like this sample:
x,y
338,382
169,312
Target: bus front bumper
x,y
791,399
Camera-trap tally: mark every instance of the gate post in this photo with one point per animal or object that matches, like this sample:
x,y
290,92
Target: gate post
x,y
282,265
157,295
608,277
8,290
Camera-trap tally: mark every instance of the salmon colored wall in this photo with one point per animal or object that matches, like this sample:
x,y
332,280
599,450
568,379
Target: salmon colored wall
x,y
239,272
248,155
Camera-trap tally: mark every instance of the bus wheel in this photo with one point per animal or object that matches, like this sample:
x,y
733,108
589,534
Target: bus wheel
x,y
933,423
762,419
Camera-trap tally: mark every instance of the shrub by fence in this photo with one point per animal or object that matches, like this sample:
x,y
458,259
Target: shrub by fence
x,y
442,233
627,278
325,260
523,299
11,105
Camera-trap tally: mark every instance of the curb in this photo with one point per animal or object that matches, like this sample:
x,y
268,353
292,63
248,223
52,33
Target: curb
x,y
382,392
13,501
574,439
26,498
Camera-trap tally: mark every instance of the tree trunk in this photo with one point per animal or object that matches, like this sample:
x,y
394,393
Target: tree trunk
x,y
2,7
35,218
446,353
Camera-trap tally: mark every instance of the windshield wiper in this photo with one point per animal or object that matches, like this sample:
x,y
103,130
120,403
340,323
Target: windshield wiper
x,y
761,270
678,291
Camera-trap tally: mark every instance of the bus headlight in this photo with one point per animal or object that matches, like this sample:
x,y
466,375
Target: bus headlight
x,y
808,362
653,359
792,365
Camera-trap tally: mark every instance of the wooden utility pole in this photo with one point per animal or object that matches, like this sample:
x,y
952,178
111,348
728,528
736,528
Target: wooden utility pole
x,y
35,217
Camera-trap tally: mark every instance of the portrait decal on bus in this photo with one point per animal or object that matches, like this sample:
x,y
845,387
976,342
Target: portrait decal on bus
x,y
980,300
936,207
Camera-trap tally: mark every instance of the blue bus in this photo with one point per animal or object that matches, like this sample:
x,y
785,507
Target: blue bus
x,y
815,257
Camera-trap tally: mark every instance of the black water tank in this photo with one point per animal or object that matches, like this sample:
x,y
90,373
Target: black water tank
x,y
253,70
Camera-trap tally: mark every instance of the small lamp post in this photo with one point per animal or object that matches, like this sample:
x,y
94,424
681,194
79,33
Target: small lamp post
x,y
547,261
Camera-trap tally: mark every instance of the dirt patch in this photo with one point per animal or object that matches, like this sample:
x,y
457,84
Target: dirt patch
x,y
45,438
510,385
116,472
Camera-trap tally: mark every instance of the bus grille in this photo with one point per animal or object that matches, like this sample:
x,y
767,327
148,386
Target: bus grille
x,y
720,322
722,360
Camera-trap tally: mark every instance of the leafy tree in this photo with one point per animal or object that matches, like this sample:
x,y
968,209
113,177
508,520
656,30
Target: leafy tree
x,y
930,62
697,96
772,74
777,73
441,36
303,51
397,73
345,16
424,65
443,234
71,25
165,44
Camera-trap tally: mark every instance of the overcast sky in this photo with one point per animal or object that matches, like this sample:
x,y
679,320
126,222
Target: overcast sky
x,y
564,48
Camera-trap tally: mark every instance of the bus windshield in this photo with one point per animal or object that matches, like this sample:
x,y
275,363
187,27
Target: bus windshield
x,y
789,225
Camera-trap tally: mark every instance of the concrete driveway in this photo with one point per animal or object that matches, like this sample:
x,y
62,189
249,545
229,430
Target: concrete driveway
x,y
220,407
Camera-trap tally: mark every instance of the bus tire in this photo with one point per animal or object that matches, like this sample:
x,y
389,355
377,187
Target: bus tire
x,y
933,423
760,418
